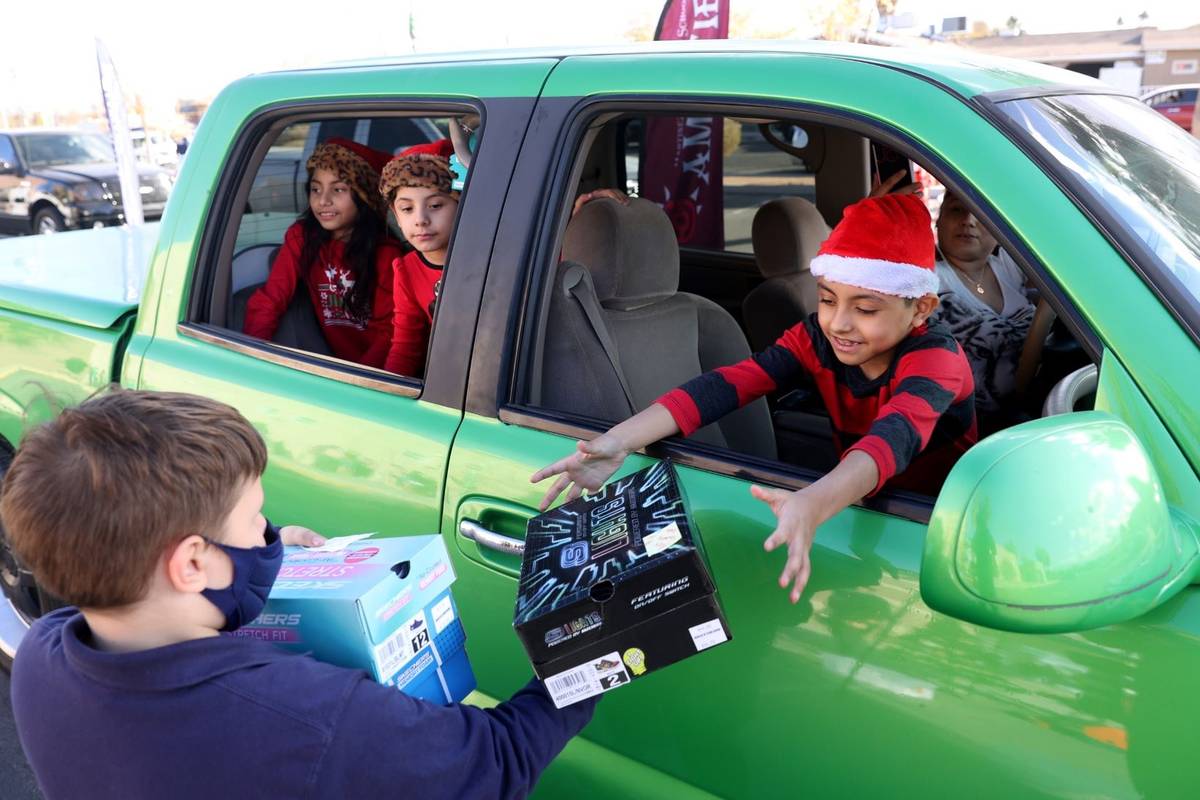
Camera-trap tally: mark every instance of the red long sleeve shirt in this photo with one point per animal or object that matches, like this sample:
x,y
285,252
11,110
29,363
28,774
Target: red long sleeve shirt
x,y
327,281
916,418
415,287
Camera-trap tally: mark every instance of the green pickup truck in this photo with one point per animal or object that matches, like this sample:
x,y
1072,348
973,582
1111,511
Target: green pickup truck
x,y
1032,631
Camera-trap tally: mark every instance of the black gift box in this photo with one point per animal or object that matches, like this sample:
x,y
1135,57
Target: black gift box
x,y
614,586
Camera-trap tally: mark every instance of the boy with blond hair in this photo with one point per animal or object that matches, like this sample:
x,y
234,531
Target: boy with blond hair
x,y
144,511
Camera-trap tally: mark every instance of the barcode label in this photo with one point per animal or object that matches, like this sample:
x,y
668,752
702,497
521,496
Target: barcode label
x,y
661,539
708,634
399,648
391,655
586,680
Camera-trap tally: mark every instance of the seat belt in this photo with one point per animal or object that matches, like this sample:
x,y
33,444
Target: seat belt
x,y
573,279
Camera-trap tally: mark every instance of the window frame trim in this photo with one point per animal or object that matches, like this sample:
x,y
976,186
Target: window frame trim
x,y
301,360
218,237
896,502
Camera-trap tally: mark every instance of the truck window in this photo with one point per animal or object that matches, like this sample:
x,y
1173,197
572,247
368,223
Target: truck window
x,y
8,154
632,311
306,239
748,172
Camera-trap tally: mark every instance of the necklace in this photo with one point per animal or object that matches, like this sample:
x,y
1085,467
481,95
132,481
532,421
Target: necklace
x,y
978,284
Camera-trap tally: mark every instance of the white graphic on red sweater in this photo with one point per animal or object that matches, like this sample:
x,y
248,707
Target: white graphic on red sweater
x,y
332,292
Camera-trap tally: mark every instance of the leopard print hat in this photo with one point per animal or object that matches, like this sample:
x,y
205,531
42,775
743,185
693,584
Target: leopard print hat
x,y
425,166
354,163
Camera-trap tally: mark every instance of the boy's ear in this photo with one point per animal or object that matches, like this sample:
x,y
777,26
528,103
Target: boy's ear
x,y
926,305
189,564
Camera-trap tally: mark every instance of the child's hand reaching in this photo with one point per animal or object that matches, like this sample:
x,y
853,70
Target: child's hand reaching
x,y
588,467
797,527
888,185
799,513
609,194
298,534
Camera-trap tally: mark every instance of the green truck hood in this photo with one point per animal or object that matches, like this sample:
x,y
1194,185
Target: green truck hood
x,y
90,278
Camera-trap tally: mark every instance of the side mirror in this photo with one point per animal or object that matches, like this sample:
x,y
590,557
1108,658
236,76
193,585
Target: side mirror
x,y
1059,524
7,168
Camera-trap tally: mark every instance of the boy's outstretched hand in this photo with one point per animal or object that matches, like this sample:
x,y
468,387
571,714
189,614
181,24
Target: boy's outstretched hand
x,y
594,462
588,467
298,534
799,513
797,527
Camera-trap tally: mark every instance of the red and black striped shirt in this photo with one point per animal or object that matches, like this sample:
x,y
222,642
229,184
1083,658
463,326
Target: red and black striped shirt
x,y
916,418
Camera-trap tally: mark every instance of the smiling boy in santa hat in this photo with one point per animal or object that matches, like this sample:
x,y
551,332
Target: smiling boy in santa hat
x,y
899,392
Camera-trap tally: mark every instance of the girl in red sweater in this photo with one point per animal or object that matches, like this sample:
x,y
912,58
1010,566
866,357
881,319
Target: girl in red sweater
x,y
417,184
340,250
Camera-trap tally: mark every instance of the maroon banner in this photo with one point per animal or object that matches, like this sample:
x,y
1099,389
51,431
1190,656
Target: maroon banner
x,y
680,167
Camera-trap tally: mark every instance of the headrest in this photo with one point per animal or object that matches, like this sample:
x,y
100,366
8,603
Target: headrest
x,y
786,234
630,251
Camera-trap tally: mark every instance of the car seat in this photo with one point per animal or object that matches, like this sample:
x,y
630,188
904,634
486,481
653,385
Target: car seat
x,y
298,327
786,234
619,333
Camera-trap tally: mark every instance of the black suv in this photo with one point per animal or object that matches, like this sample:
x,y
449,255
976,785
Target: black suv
x,y
58,180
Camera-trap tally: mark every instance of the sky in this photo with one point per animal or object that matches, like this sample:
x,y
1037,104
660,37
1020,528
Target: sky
x,y
165,51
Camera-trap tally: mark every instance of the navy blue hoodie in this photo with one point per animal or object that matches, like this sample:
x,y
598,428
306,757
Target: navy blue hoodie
x,y
234,717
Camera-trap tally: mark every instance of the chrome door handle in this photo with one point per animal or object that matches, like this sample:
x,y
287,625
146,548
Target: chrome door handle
x,y
490,539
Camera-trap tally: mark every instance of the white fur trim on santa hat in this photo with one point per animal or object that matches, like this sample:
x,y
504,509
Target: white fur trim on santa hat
x,y
876,274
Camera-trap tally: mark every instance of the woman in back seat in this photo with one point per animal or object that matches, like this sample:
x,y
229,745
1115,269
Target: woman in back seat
x,y
341,252
984,302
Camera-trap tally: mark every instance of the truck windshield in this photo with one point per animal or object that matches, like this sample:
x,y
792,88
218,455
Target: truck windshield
x,y
58,149
1136,165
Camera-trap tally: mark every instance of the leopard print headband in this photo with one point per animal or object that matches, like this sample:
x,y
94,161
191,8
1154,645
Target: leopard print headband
x,y
419,170
352,168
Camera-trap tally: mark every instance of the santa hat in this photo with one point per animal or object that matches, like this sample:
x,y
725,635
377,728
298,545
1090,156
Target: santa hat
x,y
354,163
884,244
422,166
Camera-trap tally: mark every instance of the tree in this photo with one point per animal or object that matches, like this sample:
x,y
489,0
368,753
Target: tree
x,y
1013,24
840,20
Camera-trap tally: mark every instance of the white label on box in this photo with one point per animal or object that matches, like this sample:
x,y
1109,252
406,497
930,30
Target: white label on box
x,y
708,634
392,654
443,614
588,679
399,648
338,543
661,539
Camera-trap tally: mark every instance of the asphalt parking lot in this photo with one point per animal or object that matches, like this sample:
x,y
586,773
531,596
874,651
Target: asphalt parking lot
x,y
16,779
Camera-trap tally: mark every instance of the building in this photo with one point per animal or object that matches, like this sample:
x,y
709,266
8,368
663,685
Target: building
x,y
1131,58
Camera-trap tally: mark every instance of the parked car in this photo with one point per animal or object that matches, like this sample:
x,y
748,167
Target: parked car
x,y
1032,630
1176,103
53,180
155,148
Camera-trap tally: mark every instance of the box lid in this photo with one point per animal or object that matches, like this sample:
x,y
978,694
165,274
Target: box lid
x,y
594,550
389,579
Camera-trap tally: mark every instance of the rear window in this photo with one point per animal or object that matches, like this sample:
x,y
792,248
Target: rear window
x,y
712,194
1135,164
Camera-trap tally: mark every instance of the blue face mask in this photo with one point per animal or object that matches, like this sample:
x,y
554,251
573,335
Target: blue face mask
x,y
254,571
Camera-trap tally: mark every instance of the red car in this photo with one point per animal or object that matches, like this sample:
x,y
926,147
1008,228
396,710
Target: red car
x,y
1176,103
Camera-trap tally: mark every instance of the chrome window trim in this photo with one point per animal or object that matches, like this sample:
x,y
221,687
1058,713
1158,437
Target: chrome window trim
x,y
302,360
